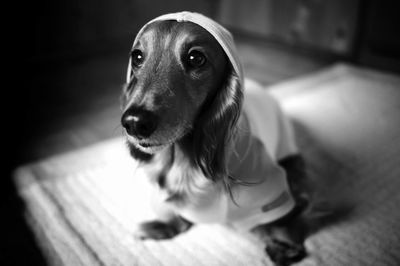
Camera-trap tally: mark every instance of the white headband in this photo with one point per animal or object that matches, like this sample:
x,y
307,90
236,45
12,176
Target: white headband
x,y
222,35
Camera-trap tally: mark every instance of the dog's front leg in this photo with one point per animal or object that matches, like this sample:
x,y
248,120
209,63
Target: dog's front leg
x,y
159,229
167,223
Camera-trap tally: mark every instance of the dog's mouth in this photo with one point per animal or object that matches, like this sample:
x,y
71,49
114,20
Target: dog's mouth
x,y
150,147
146,146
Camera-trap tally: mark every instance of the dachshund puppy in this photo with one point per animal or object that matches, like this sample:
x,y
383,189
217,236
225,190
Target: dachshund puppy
x,y
216,148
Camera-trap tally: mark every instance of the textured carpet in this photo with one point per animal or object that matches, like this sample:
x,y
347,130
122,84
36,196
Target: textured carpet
x,y
83,206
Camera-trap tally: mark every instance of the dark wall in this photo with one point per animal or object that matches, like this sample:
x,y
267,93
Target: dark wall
x,y
329,26
380,38
64,28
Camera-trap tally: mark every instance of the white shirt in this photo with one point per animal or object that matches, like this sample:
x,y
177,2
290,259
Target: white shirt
x,y
264,137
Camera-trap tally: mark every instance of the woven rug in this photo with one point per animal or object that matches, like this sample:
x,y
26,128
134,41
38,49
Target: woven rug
x,y
83,206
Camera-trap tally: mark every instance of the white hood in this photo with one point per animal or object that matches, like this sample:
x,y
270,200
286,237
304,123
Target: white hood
x,y
222,35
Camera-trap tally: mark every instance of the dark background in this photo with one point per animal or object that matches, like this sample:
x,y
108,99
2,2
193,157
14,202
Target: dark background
x,y
65,62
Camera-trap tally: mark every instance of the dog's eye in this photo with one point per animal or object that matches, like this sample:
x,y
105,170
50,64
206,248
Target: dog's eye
x,y
137,58
196,59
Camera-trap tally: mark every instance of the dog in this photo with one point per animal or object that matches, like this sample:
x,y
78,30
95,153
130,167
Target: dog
x,y
217,148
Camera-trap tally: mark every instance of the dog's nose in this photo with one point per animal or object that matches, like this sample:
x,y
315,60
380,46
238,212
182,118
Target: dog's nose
x,y
139,123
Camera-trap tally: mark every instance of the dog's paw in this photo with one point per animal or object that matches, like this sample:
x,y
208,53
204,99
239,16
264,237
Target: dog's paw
x,y
285,253
156,230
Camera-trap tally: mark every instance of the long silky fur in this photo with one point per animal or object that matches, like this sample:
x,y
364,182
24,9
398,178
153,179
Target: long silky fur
x,y
215,128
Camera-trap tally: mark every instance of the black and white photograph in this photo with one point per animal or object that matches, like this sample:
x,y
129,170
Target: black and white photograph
x,y
201,133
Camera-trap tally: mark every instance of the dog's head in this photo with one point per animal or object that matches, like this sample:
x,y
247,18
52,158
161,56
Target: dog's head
x,y
181,82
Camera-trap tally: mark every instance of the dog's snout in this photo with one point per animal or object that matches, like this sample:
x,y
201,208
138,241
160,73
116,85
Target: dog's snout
x,y
139,123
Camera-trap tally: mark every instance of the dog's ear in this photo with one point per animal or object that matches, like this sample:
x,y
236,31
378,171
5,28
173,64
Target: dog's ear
x,y
215,127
